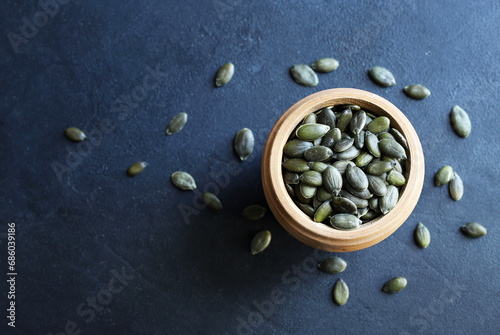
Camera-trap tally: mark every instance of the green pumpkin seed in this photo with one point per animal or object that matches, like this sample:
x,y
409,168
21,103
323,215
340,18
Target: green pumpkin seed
x,y
443,176
296,147
474,229
374,204
344,120
317,166
304,75
397,164
343,144
362,211
305,208
371,142
343,205
340,292
365,194
332,180
296,165
300,197
318,153
136,168
325,65
323,194
290,177
345,221
323,212
358,122
307,191
394,285
254,212
243,143
348,154
311,118
382,136
363,159
456,187
75,134
260,242
395,178
327,117
370,215
378,168
176,124
422,236
341,165
399,137
378,125
316,202
392,148
351,106
460,121
212,201
359,139
356,178
332,265
357,201
224,74
382,76
376,185
312,178
389,200
290,190
312,131
328,140
417,91
183,180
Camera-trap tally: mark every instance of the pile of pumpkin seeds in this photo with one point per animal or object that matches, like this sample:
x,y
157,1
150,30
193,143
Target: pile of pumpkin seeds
x,y
345,165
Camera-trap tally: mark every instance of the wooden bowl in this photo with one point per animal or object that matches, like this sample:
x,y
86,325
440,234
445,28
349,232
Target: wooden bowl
x,y
320,235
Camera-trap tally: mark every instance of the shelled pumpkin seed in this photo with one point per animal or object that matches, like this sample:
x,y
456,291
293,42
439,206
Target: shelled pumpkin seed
x,y
304,75
243,143
254,212
460,121
75,134
474,229
422,236
332,265
224,74
176,124
394,285
340,292
325,65
417,91
183,180
136,168
212,201
260,242
337,177
382,76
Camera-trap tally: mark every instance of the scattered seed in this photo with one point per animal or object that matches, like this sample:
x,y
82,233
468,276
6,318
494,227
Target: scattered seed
x,y
456,187
417,91
332,265
382,76
474,229
136,168
176,124
183,180
340,292
304,75
422,236
212,201
460,121
260,242
243,143
75,134
443,176
224,74
325,65
254,212
395,285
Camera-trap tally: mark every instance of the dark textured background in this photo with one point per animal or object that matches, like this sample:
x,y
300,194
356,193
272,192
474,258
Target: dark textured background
x,y
196,275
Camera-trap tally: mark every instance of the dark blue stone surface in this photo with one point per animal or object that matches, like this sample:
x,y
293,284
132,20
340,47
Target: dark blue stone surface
x,y
99,252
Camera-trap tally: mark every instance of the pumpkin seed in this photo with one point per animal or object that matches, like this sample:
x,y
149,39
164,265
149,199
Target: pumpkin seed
x,y
373,204
399,137
443,176
305,208
328,140
456,187
75,134
323,194
343,205
357,201
363,159
290,177
290,190
344,120
394,285
348,154
307,191
359,139
325,65
376,185
356,178
340,292
358,122
318,153
183,180
332,180
370,215
312,178
378,125
296,165
422,236
137,168
380,167
460,121
389,200
176,124
312,131
382,136
345,221
300,197
296,147
392,148
341,165
327,117
371,142
395,178
212,201
382,76
474,229
260,242
323,212
397,164
224,74
304,75
343,144
332,265
254,212
311,118
365,194
417,91
243,143
362,211
317,166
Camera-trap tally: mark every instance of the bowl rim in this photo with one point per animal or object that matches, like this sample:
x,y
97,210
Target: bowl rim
x,y
319,235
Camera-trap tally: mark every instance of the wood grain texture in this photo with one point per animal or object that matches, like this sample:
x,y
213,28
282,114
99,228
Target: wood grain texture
x,y
319,235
